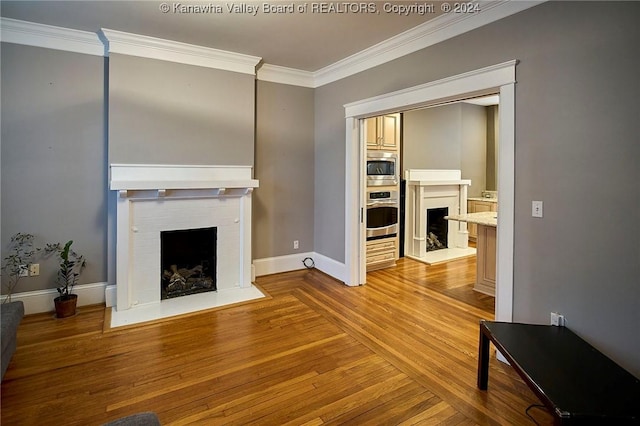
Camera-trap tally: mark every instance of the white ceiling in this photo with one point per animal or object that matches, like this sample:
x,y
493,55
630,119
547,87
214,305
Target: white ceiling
x,y
305,41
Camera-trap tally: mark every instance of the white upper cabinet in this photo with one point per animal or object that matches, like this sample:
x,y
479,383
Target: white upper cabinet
x,y
383,132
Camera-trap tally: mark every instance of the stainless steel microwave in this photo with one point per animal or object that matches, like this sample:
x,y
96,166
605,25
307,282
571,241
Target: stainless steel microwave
x,y
382,168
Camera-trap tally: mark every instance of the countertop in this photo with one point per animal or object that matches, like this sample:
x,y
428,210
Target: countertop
x,y
481,218
489,200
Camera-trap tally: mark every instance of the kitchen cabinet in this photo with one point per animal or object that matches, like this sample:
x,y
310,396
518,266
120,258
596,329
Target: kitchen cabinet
x,y
383,132
382,253
486,260
476,206
486,223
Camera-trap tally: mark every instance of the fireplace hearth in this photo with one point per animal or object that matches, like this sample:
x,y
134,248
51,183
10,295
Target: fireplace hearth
x,y
188,259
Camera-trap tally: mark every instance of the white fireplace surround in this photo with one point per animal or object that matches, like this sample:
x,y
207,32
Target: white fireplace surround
x,y
156,198
430,189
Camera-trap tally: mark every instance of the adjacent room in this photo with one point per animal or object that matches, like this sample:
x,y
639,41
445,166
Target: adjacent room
x,y
316,212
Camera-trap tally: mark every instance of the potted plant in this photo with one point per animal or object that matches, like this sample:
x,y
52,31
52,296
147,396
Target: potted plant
x,y
16,263
71,265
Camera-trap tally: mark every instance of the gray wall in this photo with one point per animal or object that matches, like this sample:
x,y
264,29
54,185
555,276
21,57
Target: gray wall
x,y
473,158
432,138
169,113
493,144
576,149
283,205
54,177
447,137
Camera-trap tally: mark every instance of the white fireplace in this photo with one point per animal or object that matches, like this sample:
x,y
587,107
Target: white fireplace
x,y
152,199
442,190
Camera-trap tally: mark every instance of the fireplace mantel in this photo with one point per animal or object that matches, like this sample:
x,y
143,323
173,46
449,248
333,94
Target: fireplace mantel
x,y
435,177
153,198
435,188
141,177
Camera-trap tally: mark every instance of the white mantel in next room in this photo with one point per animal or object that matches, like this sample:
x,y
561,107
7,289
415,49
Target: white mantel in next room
x,y
155,198
434,188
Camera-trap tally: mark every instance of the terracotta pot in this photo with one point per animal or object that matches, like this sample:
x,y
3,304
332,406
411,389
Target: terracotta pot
x,y
66,307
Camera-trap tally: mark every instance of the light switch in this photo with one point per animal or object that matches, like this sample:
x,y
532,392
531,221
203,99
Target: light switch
x,y
536,208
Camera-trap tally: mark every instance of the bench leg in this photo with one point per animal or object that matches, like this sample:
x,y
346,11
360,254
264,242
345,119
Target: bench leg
x,y
483,360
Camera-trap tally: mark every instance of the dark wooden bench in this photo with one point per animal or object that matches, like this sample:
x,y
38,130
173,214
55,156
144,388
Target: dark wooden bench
x,y
577,383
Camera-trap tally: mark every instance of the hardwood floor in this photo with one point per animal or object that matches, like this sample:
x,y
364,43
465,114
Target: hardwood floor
x,y
400,350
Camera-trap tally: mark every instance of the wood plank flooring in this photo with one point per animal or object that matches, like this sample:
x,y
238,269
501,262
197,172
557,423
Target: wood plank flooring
x,y
401,350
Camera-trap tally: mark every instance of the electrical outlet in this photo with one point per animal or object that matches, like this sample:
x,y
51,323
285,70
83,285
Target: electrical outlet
x,y
557,319
536,209
296,244
34,269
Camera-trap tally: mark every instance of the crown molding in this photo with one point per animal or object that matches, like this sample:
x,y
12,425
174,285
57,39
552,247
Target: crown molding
x,y
439,29
50,37
173,51
284,75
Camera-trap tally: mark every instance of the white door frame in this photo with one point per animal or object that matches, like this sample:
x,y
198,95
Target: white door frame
x,y
498,78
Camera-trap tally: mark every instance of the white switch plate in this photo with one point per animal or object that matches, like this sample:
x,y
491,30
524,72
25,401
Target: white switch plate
x,y
536,208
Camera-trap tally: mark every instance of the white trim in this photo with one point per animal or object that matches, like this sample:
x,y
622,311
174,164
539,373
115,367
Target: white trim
x,y
174,51
50,37
40,301
434,31
331,267
506,207
447,88
110,295
284,75
354,206
499,78
293,262
171,176
275,265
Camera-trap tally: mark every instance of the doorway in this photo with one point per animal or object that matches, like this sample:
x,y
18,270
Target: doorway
x,y
499,79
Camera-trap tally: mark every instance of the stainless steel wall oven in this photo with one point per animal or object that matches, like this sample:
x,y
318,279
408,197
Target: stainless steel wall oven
x,y
382,214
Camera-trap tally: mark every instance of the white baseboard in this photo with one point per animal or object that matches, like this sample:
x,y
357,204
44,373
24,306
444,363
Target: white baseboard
x,y
40,301
293,262
110,295
330,267
275,265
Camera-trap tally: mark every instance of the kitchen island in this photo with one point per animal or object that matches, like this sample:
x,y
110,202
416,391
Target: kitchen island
x,y
487,223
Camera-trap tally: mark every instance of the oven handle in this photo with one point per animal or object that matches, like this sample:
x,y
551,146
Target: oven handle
x,y
382,231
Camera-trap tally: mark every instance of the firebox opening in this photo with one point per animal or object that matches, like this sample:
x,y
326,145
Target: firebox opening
x,y
437,228
188,260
